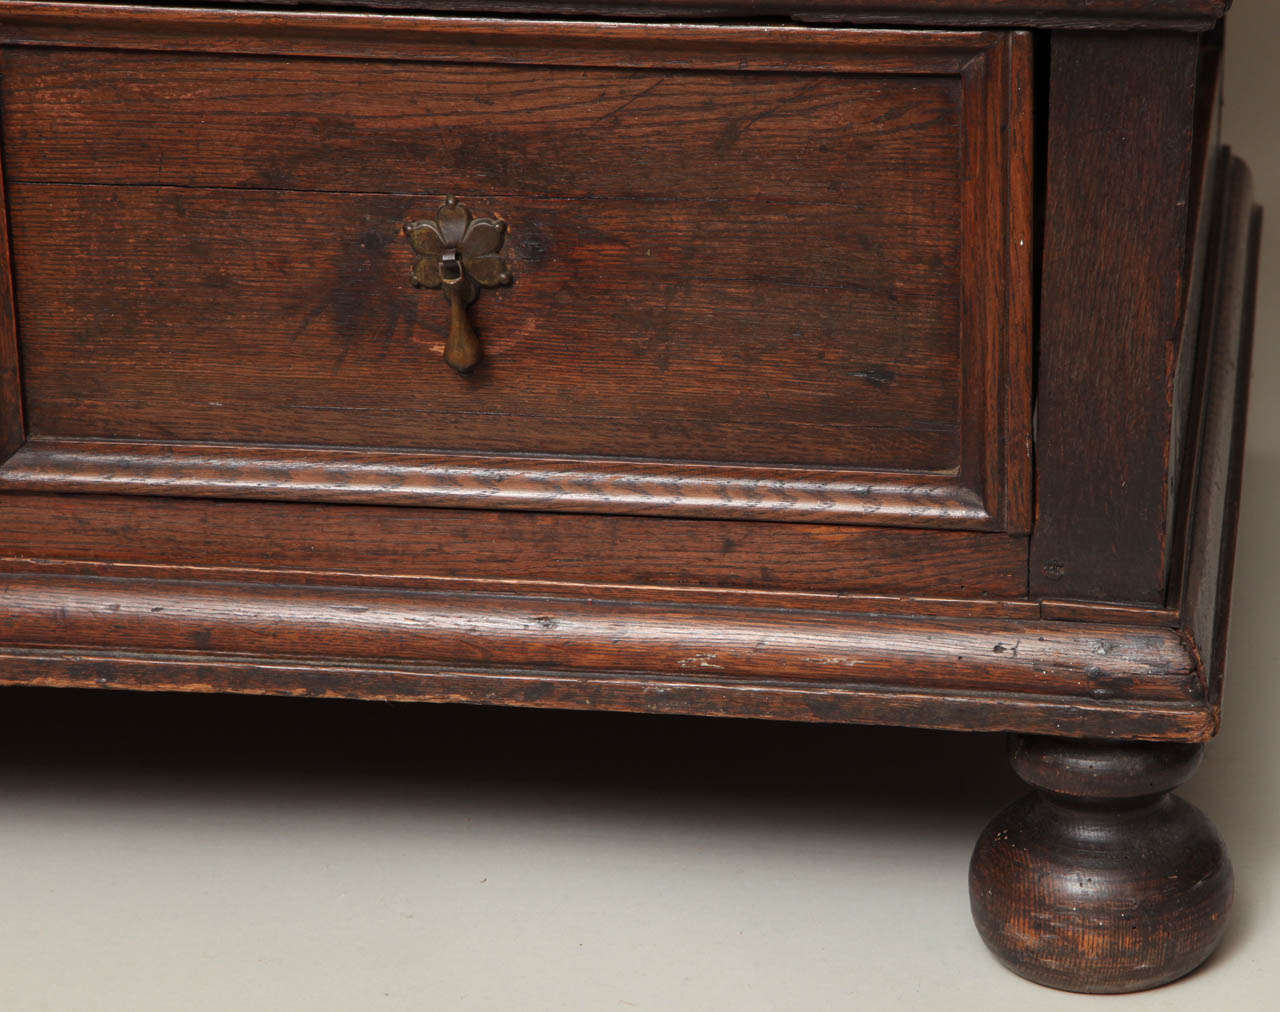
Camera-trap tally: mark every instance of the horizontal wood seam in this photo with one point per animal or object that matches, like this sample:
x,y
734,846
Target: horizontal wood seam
x,y
835,603
1171,15
399,37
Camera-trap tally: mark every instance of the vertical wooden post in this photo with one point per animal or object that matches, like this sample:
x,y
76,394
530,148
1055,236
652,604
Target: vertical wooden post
x,y
1116,250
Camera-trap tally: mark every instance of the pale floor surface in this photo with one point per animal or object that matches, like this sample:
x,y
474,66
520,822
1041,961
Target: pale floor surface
x,y
221,854
825,874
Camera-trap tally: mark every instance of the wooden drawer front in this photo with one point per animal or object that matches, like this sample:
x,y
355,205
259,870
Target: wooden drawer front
x,y
769,273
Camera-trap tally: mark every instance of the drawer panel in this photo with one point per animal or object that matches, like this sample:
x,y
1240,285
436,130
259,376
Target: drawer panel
x,y
193,119
790,287
299,335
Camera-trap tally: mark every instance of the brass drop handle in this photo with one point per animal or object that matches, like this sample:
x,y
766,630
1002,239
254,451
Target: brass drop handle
x,y
462,350
461,255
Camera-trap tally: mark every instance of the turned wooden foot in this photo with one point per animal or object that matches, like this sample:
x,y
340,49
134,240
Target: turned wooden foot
x,y
1101,880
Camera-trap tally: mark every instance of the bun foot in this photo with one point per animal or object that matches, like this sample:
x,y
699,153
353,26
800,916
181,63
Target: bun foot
x,y
1100,880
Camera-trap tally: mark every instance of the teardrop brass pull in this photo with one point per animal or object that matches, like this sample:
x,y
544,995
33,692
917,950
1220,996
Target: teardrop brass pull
x,y
461,255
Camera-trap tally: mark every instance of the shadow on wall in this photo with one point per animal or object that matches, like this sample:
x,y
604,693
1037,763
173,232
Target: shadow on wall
x,y
1239,782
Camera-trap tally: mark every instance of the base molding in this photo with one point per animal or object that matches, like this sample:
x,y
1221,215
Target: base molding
x,y
751,659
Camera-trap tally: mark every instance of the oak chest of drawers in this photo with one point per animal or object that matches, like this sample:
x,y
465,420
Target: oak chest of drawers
x,y
822,360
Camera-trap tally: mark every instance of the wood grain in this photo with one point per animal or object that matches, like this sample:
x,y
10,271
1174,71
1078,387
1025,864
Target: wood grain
x,y
630,488
942,709
175,361
12,428
408,547
1187,15
265,317
853,602
882,144
352,35
1100,881
894,350
1122,614
1204,199
753,646
1017,367
1115,245
1203,593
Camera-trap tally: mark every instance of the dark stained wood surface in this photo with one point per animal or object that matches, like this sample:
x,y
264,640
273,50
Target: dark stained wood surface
x,y
716,616
1094,611
637,488
942,709
1100,881
1208,158
266,317
837,602
853,602
818,138
556,633
999,446
487,646
1018,371
661,308
1173,14
488,40
304,542
1121,116
12,430
762,273
1203,590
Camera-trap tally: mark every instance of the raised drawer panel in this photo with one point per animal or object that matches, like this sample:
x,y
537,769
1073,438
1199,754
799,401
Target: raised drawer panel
x,y
193,119
247,316
790,285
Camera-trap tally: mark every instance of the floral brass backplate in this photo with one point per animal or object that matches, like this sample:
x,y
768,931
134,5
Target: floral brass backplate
x,y
459,254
